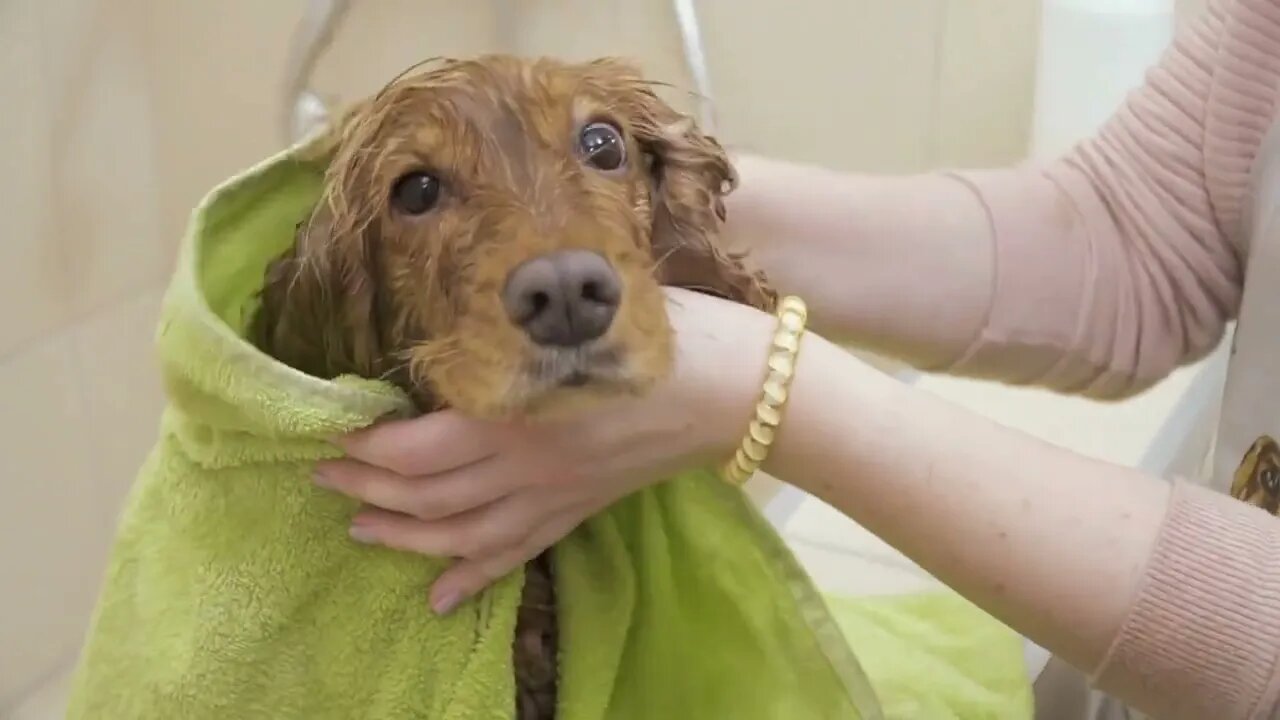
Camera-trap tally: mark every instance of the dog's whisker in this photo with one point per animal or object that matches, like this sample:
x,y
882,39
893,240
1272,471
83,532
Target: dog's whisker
x,y
392,371
657,264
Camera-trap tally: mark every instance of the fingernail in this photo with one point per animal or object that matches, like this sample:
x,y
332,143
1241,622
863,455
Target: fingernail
x,y
320,472
445,604
361,534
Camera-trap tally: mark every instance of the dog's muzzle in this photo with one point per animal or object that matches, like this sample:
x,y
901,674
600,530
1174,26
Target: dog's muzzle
x,y
565,299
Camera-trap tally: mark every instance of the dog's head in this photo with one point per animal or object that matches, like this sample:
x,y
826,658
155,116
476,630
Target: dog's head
x,y
1257,478
494,234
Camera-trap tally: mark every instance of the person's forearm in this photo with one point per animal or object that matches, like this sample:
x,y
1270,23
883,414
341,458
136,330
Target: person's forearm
x,y
900,266
1047,540
1097,273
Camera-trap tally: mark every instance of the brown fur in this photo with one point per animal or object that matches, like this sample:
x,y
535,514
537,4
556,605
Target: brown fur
x,y
416,299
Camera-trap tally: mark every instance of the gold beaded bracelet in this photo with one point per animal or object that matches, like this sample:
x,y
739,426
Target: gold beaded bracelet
x,y
792,317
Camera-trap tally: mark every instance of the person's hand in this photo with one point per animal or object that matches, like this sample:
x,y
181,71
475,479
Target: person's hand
x,y
495,495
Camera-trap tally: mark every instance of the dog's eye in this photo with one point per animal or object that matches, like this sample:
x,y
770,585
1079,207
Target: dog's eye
x,y
602,146
415,193
1271,480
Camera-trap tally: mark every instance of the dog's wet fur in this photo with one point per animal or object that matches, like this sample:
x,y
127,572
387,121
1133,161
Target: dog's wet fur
x,y
459,204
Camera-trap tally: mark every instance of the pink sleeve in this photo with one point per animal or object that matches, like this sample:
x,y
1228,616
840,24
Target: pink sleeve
x,y
1118,262
1202,639
1114,265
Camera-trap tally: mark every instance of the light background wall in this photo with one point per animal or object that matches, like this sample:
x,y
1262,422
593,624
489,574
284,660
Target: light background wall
x,y
119,115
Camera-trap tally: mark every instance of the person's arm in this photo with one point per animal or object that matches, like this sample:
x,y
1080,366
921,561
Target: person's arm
x,y
899,265
1175,604
1174,596
1097,274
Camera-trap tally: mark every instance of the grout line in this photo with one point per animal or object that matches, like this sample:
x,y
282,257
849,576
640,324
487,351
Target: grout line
x,y
507,21
16,707
933,140
78,319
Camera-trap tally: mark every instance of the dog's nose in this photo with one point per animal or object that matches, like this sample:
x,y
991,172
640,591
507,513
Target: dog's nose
x,y
565,298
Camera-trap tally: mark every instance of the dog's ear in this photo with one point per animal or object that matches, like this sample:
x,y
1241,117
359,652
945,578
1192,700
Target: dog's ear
x,y
691,175
318,311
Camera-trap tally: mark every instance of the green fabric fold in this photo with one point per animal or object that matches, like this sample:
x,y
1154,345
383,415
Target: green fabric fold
x,y
935,655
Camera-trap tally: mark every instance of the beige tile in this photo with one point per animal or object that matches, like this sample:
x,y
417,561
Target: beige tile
x,y
985,90
215,72
46,702
642,31
123,399
33,289
379,40
49,513
81,214
103,186
84,411
647,33
72,34
845,84
217,77
546,27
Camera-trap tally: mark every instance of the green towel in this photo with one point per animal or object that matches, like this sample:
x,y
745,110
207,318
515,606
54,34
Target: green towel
x,y
234,593
935,655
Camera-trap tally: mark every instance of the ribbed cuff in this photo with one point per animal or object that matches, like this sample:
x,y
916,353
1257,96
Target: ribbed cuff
x,y
1043,284
1203,637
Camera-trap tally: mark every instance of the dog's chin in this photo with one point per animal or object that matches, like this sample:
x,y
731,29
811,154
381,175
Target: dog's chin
x,y
555,383
566,401
551,383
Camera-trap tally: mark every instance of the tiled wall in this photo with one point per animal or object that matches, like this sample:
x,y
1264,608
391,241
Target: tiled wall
x,y
80,264
879,85
119,114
